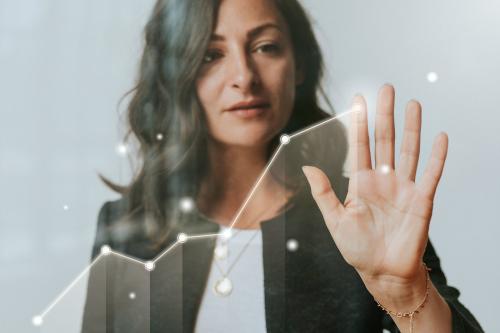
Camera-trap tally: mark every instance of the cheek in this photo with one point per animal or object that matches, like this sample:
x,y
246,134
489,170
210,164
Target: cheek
x,y
282,86
209,92
206,92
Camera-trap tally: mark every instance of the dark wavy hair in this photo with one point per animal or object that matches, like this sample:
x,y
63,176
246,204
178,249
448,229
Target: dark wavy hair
x,y
166,117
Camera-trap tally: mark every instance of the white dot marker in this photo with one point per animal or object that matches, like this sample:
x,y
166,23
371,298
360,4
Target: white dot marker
x,y
149,265
292,245
226,234
121,149
105,250
37,321
285,139
66,207
432,77
187,204
182,238
385,169
131,295
159,136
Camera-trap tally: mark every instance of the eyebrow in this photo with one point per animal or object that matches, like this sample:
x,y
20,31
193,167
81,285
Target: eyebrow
x,y
250,34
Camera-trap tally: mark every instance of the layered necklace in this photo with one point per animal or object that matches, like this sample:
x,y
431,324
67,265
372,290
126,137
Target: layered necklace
x,y
224,286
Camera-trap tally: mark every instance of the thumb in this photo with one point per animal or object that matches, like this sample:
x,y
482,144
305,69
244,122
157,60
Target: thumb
x,y
323,194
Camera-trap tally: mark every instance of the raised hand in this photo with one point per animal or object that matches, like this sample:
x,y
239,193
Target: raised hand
x,y
382,227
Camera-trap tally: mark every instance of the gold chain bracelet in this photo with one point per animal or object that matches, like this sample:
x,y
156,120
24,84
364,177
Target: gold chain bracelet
x,y
412,313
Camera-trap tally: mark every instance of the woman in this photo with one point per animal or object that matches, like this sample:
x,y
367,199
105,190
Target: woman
x,y
219,83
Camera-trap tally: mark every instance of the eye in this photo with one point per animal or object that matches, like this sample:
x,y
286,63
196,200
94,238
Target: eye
x,y
269,48
211,55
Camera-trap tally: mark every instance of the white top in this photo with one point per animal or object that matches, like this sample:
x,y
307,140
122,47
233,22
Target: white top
x,y
243,310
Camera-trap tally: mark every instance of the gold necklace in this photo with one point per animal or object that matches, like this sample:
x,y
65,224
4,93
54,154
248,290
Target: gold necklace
x,y
224,286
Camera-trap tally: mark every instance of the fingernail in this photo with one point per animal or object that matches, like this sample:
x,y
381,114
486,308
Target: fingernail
x,y
357,96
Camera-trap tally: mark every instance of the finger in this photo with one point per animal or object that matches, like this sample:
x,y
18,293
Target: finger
x,y
435,165
410,147
359,142
323,194
384,128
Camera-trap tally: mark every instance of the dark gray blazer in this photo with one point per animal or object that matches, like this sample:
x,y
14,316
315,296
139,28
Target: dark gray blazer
x,y
312,289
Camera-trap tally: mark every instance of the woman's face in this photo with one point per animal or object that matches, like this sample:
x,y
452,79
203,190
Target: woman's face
x,y
246,84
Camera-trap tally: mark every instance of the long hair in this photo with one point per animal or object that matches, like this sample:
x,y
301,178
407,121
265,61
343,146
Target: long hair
x,y
166,117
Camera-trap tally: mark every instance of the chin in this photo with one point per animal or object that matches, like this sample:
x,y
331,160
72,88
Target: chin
x,y
245,138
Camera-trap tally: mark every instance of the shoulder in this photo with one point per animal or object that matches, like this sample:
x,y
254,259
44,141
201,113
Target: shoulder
x,y
115,225
111,211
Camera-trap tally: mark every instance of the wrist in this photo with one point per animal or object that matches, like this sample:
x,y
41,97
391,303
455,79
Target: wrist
x,y
398,295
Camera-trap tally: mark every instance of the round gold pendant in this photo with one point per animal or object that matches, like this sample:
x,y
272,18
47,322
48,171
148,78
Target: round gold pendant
x,y
223,287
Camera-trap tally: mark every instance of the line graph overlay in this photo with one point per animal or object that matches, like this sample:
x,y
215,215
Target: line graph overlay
x,y
286,160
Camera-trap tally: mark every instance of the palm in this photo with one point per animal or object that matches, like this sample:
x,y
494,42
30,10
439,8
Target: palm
x,y
382,227
381,230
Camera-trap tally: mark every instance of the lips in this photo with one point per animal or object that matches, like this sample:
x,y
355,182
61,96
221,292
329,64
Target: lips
x,y
248,105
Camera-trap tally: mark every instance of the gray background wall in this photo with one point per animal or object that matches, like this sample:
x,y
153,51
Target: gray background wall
x,y
65,64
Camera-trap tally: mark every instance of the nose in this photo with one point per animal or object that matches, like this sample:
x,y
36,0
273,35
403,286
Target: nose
x,y
243,74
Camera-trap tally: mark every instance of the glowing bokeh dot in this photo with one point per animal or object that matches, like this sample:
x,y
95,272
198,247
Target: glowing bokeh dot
x,y
37,321
285,139
66,207
131,295
385,169
357,107
432,77
292,245
105,249
121,149
159,136
187,204
182,237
